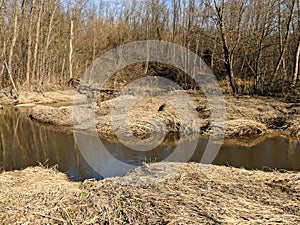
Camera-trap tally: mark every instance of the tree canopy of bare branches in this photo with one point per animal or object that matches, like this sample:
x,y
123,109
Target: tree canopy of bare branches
x,y
253,45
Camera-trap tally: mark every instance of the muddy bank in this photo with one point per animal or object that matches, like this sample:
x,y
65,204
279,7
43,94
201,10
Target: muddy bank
x,y
216,195
246,116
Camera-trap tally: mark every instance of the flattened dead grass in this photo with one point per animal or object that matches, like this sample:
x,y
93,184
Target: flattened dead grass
x,y
213,195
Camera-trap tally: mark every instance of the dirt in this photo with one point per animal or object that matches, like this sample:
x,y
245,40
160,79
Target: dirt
x,y
194,195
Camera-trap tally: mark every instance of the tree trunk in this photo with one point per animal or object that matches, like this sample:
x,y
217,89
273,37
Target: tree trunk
x,y
297,57
296,65
228,55
12,47
285,41
3,64
71,38
29,42
71,48
175,19
35,71
48,40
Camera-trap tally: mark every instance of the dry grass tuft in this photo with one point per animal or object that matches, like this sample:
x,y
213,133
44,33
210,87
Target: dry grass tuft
x,y
242,128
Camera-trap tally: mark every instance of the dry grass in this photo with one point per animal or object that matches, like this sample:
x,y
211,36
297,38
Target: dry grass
x,y
61,116
246,116
144,118
213,195
241,128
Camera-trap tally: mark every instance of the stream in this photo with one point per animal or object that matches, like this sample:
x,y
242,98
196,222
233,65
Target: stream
x,y
25,143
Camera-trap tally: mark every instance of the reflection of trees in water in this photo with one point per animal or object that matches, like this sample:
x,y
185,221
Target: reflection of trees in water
x,y
26,143
293,148
9,139
18,141
274,152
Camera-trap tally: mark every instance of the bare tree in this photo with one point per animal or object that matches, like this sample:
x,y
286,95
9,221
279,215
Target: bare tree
x,y
35,70
284,40
71,39
44,64
245,41
297,55
29,42
74,13
13,44
224,30
260,16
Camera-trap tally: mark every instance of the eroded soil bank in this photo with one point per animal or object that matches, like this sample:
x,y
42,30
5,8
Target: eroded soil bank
x,y
246,116
149,195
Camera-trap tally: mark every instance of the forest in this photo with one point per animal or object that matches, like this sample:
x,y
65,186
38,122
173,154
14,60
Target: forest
x,y
252,46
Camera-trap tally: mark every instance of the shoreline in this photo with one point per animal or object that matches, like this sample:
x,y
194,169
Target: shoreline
x,y
246,115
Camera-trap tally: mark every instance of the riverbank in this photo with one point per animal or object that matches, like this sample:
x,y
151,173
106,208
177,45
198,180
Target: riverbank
x,y
33,98
214,195
246,116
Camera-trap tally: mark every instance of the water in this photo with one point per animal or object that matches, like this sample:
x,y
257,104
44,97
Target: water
x,y
26,143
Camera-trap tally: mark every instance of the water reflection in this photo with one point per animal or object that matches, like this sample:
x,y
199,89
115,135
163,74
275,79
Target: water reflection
x,y
26,143
273,152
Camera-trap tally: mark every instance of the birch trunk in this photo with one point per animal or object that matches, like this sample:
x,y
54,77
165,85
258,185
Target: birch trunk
x,y
296,72
71,48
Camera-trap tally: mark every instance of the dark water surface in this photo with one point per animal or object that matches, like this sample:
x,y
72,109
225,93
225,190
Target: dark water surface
x,y
26,143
